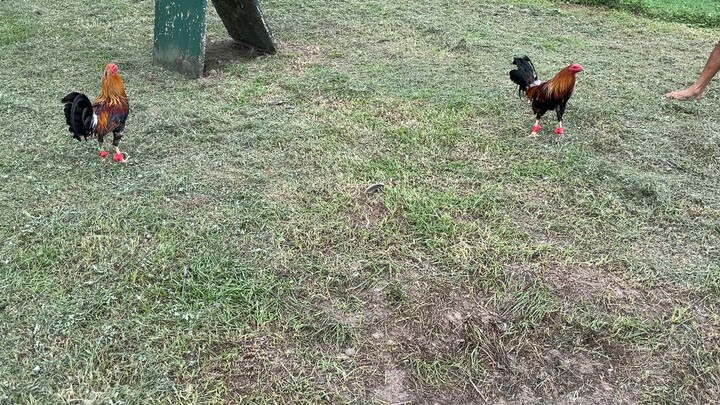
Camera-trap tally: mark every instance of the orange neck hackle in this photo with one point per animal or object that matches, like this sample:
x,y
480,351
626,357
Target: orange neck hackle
x,y
563,82
112,88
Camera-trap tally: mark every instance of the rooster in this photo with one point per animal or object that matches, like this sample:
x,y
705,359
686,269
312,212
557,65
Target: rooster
x,y
106,114
550,95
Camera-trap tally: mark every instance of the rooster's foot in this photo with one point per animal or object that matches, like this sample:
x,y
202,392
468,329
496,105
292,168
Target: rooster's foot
x,y
120,157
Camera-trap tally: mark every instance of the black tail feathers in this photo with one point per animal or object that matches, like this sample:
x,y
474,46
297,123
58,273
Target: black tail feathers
x,y
524,75
78,114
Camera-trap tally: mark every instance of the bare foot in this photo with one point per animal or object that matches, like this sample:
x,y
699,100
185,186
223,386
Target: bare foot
x,y
688,93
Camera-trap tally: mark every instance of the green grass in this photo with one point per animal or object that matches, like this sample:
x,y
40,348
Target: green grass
x,y
697,12
237,259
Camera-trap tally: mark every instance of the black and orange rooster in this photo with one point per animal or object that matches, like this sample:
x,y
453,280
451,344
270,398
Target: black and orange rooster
x,y
550,95
106,114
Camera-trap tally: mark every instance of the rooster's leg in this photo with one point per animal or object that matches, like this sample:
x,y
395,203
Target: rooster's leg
x,y
118,157
101,149
559,110
536,128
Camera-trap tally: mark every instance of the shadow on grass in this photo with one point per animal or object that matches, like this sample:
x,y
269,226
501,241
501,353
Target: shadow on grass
x,y
220,53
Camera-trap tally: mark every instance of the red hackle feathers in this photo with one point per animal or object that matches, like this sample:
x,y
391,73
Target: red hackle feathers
x,y
559,87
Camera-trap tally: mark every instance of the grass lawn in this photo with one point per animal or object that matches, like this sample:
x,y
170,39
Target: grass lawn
x,y
236,258
697,12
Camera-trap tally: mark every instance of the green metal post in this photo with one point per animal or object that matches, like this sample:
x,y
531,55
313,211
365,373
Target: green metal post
x,y
245,23
179,42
